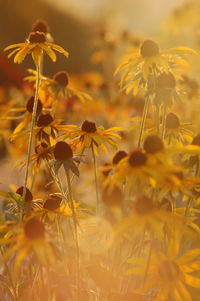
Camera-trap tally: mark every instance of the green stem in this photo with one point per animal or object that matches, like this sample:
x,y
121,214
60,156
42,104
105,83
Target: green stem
x,y
96,181
33,121
144,115
75,221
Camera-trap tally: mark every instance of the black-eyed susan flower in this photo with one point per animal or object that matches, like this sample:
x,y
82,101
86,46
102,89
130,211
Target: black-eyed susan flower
x,y
28,240
58,86
64,156
138,65
176,132
171,272
88,135
36,44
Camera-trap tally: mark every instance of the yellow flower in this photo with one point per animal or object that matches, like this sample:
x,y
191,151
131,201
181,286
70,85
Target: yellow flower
x,y
148,61
28,240
91,136
35,44
58,86
171,272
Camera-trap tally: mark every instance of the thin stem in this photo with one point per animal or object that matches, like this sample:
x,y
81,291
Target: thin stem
x,y
164,120
144,115
33,121
75,221
157,113
96,181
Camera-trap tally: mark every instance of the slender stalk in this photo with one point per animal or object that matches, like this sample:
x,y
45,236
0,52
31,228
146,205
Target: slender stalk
x,y
33,121
75,221
157,115
144,115
96,181
164,120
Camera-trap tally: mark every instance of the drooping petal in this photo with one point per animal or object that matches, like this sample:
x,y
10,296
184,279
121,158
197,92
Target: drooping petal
x,y
36,55
59,49
49,52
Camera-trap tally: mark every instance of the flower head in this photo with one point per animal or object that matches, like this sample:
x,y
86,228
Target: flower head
x,y
36,44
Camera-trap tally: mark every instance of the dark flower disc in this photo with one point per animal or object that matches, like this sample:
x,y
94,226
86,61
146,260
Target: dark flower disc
x,y
137,158
37,37
41,26
153,144
149,48
30,103
119,156
62,78
172,121
34,229
89,126
44,120
28,194
62,151
52,203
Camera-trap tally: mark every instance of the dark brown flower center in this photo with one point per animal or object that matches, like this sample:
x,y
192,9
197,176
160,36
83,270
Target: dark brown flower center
x,y
37,37
166,81
143,205
172,121
30,104
149,48
196,140
52,203
169,270
41,26
112,197
153,144
44,120
34,229
62,78
137,158
89,126
62,151
119,156
28,194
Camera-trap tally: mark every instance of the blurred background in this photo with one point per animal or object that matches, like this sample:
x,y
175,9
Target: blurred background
x,y
75,25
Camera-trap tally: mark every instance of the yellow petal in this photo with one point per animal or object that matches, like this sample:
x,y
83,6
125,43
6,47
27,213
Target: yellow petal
x,y
49,52
20,56
36,55
59,49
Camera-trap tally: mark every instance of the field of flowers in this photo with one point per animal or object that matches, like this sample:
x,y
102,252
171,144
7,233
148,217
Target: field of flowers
x,y
109,163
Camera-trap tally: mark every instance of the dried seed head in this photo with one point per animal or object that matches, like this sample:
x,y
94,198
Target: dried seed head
x,y
137,158
113,197
37,37
28,194
62,78
149,48
166,81
119,156
44,120
143,205
52,203
172,121
62,151
41,26
196,140
34,229
30,103
89,126
153,144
